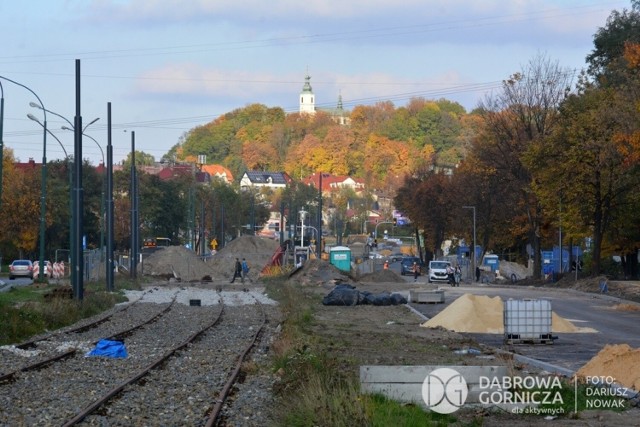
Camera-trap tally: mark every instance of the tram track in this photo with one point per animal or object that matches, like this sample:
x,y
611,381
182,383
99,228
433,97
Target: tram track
x,y
180,370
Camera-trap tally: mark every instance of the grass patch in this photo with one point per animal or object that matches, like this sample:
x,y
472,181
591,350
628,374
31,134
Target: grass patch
x,y
319,388
24,311
586,398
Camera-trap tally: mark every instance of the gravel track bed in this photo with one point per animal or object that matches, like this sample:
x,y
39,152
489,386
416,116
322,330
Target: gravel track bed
x,y
185,389
56,393
60,341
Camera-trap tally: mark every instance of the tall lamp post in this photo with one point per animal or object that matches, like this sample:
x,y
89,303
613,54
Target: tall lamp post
x,y
43,185
302,215
41,107
473,251
66,156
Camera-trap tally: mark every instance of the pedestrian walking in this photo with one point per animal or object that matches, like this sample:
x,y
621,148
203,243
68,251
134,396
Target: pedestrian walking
x,y
477,273
416,271
237,271
245,270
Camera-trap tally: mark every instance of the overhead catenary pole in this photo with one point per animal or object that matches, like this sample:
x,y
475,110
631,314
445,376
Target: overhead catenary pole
x,y
109,205
319,221
77,259
134,211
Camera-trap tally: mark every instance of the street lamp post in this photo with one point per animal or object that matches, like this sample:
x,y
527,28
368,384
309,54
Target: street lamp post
x,y
473,260
71,229
66,156
302,215
375,233
43,185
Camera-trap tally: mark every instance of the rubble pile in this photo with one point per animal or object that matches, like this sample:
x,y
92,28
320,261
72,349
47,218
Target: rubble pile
x,y
176,262
318,272
382,276
182,264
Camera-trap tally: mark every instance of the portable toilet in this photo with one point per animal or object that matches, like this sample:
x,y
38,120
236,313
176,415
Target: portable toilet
x,y
340,256
492,262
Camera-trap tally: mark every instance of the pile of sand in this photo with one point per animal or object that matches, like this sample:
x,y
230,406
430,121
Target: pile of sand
x,y
626,307
484,315
618,361
471,313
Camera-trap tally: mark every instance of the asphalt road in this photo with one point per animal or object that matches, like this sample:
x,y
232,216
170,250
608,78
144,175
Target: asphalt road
x,y
6,284
571,350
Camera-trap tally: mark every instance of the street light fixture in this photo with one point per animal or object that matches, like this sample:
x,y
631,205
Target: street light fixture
x,y
43,185
35,119
473,251
302,215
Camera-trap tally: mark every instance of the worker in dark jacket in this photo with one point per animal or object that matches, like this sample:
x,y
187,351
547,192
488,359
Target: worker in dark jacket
x,y
237,271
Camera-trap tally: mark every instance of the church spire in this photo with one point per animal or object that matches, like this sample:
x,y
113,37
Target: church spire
x,y
307,103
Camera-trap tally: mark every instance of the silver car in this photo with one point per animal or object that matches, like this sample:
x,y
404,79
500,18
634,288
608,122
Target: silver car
x,y
21,268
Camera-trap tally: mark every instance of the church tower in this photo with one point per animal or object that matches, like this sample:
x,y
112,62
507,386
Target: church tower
x,y
307,102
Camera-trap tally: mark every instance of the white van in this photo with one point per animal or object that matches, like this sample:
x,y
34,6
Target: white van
x,y
438,271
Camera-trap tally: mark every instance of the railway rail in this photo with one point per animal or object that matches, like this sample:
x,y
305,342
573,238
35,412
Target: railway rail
x,y
181,368
47,360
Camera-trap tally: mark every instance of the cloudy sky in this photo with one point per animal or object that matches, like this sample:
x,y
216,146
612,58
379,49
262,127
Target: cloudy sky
x,y
167,66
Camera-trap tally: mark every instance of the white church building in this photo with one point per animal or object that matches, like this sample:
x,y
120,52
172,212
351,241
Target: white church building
x,y
308,105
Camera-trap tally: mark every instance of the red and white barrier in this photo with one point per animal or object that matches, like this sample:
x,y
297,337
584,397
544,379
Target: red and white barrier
x,y
36,270
58,270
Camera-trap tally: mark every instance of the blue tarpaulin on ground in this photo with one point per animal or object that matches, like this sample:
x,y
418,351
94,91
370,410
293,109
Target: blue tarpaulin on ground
x,y
109,348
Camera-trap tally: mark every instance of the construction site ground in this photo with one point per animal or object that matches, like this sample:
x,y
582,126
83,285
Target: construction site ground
x,y
380,335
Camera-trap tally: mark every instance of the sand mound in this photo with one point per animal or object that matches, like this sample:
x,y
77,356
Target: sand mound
x,y
618,361
382,276
471,313
626,307
482,314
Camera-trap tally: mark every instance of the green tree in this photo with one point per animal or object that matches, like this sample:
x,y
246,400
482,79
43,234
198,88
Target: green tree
x,y
606,61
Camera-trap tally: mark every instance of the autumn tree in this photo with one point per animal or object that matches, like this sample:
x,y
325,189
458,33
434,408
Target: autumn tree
x,y
20,207
523,113
424,198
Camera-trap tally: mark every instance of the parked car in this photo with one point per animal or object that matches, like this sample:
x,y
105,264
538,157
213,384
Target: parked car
x,y
21,268
438,271
395,257
406,265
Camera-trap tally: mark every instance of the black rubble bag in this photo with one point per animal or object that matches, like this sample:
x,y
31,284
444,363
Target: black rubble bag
x,y
342,295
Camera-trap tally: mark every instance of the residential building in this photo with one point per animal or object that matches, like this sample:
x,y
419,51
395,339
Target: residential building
x,y
260,179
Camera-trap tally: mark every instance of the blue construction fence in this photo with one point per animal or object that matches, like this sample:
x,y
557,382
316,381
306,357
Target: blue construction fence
x,y
551,260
